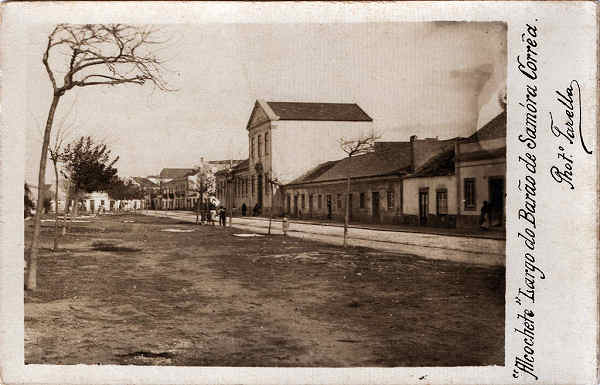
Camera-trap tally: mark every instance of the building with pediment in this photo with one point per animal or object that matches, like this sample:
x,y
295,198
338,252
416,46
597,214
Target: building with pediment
x,y
287,138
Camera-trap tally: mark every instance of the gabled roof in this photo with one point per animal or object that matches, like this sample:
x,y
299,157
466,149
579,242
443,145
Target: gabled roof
x,y
145,182
495,128
319,111
483,154
176,172
241,165
389,160
440,165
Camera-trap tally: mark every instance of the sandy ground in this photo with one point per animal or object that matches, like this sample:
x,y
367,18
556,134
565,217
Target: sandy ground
x,y
122,292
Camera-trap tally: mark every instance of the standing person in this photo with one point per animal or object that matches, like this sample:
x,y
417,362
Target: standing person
x,y
484,216
212,214
222,216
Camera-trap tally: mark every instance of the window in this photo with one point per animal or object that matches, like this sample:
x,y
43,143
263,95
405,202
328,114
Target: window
x,y
441,198
303,200
320,201
470,194
252,148
390,199
310,201
267,143
259,146
362,200
339,201
289,202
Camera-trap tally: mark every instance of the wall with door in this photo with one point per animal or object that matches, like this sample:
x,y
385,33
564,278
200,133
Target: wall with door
x,y
430,201
327,200
482,180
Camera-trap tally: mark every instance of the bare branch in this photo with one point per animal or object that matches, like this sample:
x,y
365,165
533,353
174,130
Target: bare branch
x,y
362,145
109,51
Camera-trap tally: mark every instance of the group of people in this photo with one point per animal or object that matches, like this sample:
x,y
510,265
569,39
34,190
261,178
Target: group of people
x,y
213,212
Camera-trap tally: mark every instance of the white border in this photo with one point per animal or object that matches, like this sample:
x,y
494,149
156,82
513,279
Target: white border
x,y
579,17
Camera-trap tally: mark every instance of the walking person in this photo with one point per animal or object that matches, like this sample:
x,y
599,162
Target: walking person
x,y
484,216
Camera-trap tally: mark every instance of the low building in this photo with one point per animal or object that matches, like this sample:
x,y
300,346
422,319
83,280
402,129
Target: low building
x,y
377,183
429,193
481,174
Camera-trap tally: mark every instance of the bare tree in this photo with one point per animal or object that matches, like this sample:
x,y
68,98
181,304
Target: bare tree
x,y
274,184
352,147
203,184
61,134
96,55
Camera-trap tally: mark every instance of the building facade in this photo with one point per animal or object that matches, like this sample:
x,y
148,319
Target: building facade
x,y
287,138
481,174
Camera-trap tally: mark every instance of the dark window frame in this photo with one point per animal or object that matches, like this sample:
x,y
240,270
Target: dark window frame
x,y
470,195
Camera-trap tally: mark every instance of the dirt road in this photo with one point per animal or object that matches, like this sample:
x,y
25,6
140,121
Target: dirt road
x,y
123,292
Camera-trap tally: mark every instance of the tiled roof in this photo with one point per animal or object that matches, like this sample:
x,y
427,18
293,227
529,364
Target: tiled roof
x,y
314,172
389,160
175,172
495,128
319,111
440,165
483,154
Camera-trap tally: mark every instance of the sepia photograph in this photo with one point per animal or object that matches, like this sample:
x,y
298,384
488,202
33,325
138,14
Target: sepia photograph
x,y
266,195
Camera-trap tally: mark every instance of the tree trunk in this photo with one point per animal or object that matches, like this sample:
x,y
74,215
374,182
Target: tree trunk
x,y
75,209
271,209
55,205
347,216
31,283
67,209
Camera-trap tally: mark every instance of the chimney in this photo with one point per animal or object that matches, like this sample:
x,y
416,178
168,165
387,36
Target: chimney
x,y
413,139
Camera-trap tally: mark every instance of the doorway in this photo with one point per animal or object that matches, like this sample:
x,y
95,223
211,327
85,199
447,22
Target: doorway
x,y
496,191
375,206
423,206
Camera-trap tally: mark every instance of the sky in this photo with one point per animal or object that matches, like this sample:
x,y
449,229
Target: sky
x,y
427,79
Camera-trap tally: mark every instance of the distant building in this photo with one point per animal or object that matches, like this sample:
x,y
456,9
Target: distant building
x,y
150,191
178,186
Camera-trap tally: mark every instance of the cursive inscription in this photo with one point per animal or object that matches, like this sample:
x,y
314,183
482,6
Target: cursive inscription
x,y
566,131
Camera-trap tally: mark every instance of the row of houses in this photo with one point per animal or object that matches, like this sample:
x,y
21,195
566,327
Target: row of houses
x,y
296,168
177,188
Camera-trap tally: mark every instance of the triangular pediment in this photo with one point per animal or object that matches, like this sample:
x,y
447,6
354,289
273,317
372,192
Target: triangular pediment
x,y
257,117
